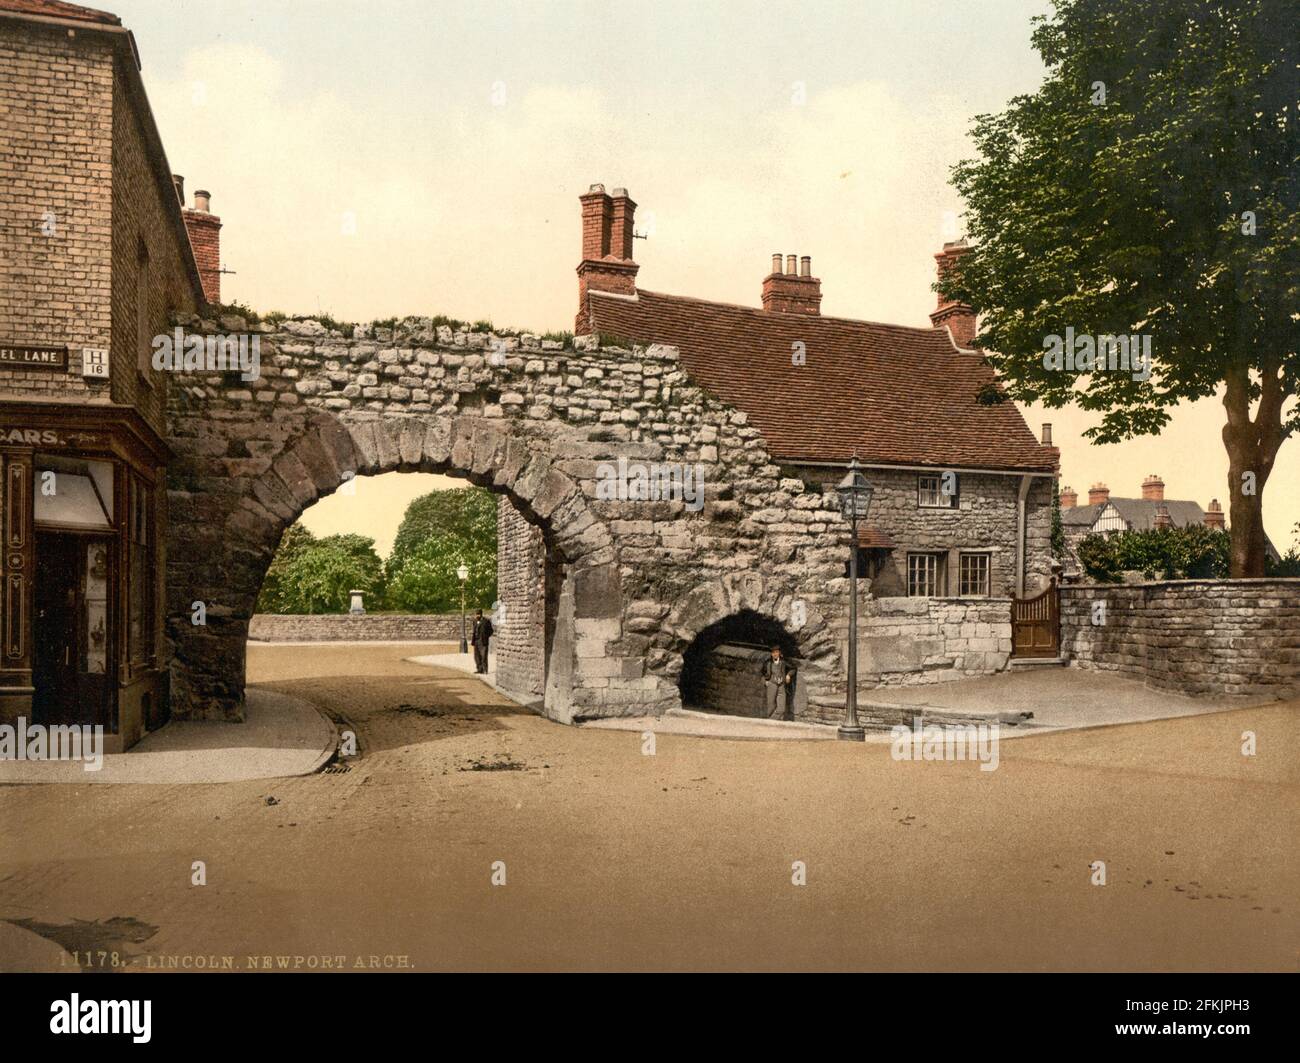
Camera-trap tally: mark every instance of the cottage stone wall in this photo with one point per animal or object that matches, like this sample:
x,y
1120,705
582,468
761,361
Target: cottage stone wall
x,y
984,520
1191,636
628,582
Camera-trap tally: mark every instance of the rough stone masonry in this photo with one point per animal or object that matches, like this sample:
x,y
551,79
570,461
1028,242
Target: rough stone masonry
x,y
619,588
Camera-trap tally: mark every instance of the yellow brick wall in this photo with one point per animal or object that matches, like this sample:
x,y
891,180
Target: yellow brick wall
x,y
141,216
78,197
56,99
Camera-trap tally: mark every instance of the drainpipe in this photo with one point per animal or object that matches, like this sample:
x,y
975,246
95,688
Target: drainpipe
x,y
1021,498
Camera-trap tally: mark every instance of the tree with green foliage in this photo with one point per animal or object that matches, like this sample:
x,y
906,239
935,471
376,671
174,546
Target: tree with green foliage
x,y
439,532
310,575
428,582
1149,188
272,596
1193,552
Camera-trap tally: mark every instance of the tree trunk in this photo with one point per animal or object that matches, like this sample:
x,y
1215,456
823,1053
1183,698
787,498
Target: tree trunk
x,y
1252,447
1246,519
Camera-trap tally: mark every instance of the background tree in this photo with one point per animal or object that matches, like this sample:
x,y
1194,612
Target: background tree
x,y
310,575
427,582
1150,187
439,532
295,539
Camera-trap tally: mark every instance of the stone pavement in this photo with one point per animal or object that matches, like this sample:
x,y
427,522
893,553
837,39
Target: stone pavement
x,y
1061,699
282,736
461,662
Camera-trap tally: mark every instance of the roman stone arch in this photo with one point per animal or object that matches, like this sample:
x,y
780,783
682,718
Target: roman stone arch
x,y
314,454
716,601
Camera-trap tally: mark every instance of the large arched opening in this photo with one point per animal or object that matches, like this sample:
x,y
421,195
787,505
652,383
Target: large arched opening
x,y
257,500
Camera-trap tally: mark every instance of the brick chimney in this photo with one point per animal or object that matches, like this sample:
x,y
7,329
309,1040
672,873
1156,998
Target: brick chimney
x,y
1098,493
793,290
1163,520
958,317
1069,498
1214,515
606,264
204,228
1153,489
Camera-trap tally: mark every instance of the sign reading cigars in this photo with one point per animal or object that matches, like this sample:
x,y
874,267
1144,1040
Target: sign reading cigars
x,y
31,356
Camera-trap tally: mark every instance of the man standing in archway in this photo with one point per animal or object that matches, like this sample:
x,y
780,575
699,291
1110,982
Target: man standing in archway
x,y
778,679
479,640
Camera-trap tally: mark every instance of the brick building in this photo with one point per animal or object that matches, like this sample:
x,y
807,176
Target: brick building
x,y
95,257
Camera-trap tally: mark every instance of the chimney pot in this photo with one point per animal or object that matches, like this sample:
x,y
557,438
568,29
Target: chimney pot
x,y
1214,515
1047,433
1153,488
957,317
204,230
606,264
1069,498
792,290
1098,493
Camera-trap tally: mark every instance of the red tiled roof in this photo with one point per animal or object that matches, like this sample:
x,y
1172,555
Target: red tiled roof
x,y
872,538
896,395
58,9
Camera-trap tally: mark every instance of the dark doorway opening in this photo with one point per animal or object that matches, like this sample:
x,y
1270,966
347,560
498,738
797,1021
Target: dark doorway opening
x,y
72,662
721,667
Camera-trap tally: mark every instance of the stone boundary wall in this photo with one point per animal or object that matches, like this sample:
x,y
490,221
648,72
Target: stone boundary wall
x,y
343,627
1191,636
906,641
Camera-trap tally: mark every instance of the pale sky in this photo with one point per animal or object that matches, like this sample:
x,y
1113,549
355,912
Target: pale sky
x,y
399,157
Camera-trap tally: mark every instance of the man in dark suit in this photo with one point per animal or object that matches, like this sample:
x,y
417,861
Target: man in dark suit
x,y
778,680
479,640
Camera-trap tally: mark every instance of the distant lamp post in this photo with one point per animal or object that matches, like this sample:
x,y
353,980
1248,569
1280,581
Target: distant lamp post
x,y
463,574
855,501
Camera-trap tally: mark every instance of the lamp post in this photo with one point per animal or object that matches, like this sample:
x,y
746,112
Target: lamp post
x,y
855,501
463,573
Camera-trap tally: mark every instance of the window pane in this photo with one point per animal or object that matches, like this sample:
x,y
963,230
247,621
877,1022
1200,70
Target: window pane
x,y
974,577
921,575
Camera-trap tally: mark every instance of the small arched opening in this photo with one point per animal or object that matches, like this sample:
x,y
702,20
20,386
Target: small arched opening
x,y
722,667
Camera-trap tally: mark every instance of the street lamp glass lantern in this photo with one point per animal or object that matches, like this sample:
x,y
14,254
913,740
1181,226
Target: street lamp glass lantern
x,y
855,496
463,573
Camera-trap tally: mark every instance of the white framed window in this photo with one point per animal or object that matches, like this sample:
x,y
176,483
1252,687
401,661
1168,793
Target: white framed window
x,y
973,576
936,490
923,575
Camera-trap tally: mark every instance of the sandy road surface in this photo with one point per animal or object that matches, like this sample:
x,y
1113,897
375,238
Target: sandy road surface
x,y
616,860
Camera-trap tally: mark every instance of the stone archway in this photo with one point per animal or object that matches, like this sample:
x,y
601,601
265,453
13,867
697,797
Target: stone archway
x,y
284,467
716,602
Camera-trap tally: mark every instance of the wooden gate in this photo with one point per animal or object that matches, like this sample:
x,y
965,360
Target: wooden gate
x,y
1036,624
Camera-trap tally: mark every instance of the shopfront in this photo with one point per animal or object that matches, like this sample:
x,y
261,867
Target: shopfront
x,y
80,612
